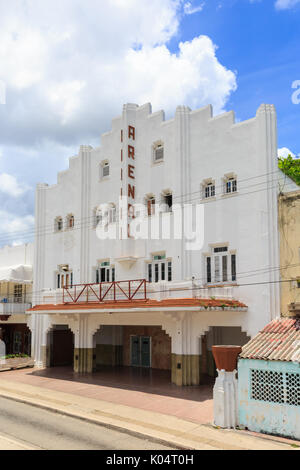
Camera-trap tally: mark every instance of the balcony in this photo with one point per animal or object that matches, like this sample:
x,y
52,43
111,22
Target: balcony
x,y
131,290
12,308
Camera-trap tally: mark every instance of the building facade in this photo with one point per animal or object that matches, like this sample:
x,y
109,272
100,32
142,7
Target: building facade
x,y
269,380
16,266
289,231
155,301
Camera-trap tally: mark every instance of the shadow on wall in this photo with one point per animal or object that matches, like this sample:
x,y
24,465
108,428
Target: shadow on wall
x,y
218,335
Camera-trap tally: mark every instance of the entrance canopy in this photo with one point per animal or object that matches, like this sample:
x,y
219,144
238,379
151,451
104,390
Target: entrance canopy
x,y
20,273
175,304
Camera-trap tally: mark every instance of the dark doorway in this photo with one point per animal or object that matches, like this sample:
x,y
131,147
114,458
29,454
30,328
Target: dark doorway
x,y
17,338
62,348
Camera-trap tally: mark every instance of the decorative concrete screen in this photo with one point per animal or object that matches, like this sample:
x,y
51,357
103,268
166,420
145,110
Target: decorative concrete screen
x,y
269,396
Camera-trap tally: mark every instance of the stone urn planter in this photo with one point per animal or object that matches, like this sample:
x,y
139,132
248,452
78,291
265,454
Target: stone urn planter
x,y
16,363
226,357
225,389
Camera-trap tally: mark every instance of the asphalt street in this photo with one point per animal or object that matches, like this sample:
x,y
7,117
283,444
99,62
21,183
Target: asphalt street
x,y
26,427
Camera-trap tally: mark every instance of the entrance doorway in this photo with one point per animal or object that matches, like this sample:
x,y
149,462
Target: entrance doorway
x,y
140,347
17,338
62,346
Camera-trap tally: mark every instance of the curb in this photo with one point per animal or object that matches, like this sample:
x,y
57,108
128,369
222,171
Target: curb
x,y
115,427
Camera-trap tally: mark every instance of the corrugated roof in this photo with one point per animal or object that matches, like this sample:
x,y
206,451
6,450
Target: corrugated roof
x,y
278,341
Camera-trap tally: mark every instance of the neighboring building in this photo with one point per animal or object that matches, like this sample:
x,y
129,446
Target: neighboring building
x,y
289,232
16,265
269,380
184,301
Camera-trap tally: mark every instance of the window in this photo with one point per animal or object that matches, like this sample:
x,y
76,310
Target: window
x,y
150,203
105,272
58,224
167,202
221,265
18,293
70,221
208,189
112,214
97,217
104,168
158,152
64,277
160,269
230,185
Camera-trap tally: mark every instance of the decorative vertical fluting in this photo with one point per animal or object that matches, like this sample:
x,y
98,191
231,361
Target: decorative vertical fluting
x,y
182,126
85,185
267,128
38,338
83,351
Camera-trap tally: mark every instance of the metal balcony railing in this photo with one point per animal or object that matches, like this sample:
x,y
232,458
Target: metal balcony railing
x,y
115,291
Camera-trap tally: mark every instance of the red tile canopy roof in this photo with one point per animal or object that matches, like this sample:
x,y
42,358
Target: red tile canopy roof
x,y
204,304
278,341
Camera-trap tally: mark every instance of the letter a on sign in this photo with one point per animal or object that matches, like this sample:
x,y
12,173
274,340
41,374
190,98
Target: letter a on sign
x,y
131,132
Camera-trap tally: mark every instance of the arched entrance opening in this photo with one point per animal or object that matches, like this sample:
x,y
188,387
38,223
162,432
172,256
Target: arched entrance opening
x,y
61,342
217,335
134,347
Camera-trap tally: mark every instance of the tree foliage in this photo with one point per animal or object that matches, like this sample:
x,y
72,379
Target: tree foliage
x,y
290,167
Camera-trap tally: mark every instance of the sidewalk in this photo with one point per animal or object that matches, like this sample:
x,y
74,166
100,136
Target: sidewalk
x,y
158,427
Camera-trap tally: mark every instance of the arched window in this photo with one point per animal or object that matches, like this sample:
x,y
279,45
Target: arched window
x,y
104,169
97,216
64,276
70,221
158,152
150,204
112,213
208,188
58,224
166,201
230,183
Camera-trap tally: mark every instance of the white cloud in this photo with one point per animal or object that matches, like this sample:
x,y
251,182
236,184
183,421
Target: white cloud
x,y
284,152
10,186
190,9
69,66
15,229
286,4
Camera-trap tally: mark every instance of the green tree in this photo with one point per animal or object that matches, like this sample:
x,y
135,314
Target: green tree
x,y
290,167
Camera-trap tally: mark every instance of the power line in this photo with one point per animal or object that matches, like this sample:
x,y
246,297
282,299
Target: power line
x,y
81,222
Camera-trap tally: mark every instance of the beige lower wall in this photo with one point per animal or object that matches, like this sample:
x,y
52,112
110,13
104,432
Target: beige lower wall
x,y
84,360
185,369
109,355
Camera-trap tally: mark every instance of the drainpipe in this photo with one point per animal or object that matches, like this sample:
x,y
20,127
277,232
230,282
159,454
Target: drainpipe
x,y
225,391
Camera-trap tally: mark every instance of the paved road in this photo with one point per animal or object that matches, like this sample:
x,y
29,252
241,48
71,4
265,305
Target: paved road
x,y
24,426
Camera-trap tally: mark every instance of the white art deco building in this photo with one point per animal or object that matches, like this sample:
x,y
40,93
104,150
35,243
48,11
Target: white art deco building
x,y
153,302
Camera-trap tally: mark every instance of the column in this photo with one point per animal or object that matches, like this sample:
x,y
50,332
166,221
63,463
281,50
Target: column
x,y
185,353
83,351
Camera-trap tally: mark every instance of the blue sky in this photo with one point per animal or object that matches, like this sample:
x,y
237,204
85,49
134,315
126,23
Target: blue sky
x,y
262,44
68,66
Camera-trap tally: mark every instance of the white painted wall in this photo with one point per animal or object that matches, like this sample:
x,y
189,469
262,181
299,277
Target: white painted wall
x,y
16,255
196,146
